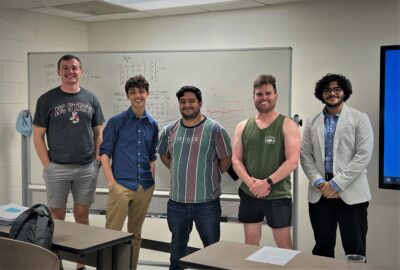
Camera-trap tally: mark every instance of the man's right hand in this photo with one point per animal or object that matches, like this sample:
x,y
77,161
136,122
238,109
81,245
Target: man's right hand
x,y
46,165
110,185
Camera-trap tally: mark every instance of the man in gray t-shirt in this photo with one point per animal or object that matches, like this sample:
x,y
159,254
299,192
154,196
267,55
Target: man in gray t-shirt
x,y
71,119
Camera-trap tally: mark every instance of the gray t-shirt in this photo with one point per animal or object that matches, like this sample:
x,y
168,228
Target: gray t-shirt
x,y
69,119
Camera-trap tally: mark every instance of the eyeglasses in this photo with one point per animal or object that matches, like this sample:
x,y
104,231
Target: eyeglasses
x,y
335,90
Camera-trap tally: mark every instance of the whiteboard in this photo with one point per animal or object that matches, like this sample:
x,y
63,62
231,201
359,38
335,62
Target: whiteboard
x,y
225,78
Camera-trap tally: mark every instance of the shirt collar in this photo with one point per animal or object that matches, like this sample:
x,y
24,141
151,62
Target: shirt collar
x,y
131,114
326,114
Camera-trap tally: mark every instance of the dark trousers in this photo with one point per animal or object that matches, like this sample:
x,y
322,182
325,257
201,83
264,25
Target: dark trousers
x,y
326,214
180,217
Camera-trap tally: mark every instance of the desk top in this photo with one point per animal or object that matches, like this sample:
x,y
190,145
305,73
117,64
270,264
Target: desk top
x,y
80,238
230,255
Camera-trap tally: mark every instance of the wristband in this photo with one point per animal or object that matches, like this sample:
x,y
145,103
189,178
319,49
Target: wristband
x,y
269,181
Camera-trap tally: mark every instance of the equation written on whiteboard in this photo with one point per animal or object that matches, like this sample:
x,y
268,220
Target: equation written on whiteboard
x,y
128,67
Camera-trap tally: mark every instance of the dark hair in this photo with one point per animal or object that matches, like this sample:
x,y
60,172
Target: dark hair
x,y
191,89
264,79
342,81
137,81
68,57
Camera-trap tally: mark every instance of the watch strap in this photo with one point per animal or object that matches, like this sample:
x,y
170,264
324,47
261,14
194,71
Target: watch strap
x,y
269,181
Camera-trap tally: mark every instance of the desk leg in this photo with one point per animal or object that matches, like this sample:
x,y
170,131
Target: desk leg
x,y
99,260
114,260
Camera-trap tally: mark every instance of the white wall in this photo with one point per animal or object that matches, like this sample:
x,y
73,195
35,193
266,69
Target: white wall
x,y
326,36
20,33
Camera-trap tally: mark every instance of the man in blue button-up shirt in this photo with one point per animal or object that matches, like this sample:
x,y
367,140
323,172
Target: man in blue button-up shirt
x,y
130,140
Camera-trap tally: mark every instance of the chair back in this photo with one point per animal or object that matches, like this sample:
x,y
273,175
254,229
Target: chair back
x,y
17,254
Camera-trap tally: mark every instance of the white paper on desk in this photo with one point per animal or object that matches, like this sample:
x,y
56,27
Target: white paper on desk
x,y
10,212
272,255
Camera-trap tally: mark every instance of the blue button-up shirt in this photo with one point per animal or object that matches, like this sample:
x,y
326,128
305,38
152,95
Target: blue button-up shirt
x,y
330,128
131,143
330,123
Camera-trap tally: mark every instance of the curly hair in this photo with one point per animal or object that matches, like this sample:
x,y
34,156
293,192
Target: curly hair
x,y
138,82
342,81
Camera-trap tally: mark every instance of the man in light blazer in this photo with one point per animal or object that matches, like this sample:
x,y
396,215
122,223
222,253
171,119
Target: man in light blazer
x,y
336,149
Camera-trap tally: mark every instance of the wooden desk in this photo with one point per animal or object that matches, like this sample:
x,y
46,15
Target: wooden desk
x,y
90,245
230,255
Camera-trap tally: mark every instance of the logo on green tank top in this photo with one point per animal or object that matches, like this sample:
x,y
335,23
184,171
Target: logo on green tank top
x,y
269,140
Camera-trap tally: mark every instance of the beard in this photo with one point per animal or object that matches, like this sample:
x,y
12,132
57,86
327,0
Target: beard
x,y
190,116
333,105
262,109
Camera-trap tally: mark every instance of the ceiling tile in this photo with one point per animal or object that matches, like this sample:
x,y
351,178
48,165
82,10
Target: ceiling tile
x,y
176,11
231,5
95,8
270,2
129,15
52,3
19,4
58,12
91,19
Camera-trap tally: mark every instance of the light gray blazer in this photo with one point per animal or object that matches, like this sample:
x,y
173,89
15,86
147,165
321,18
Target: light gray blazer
x,y
352,150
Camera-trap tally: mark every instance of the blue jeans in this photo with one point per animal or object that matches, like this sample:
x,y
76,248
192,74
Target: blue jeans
x,y
180,217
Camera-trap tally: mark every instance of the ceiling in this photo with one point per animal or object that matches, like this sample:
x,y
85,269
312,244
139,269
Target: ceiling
x,y
100,10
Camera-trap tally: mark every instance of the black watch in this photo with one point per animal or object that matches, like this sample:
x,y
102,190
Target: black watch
x,y
269,181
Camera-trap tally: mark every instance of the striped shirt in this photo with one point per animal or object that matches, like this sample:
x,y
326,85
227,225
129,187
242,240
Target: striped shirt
x,y
195,153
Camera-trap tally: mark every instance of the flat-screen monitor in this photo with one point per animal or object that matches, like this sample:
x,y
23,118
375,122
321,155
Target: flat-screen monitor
x,y
389,124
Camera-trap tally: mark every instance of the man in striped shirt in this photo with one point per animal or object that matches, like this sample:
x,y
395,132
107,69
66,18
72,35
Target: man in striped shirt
x,y
197,150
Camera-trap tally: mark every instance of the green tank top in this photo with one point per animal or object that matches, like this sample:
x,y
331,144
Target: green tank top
x,y
263,153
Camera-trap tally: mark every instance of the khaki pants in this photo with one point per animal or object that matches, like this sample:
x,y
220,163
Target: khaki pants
x,y
123,202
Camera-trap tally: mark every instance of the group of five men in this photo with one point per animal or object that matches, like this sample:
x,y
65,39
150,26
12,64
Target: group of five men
x,y
334,152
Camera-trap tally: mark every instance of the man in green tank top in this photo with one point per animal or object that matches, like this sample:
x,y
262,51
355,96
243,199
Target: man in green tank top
x,y
266,150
